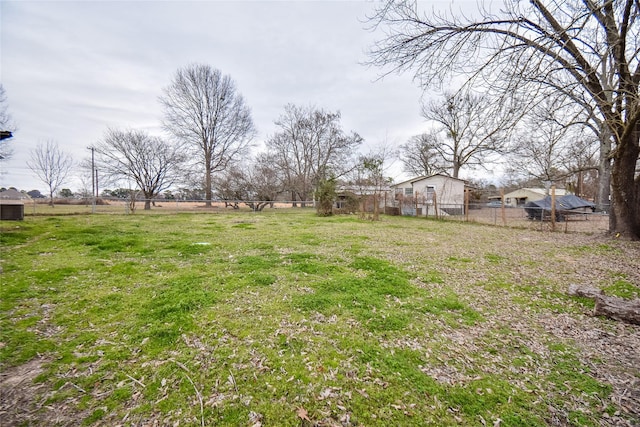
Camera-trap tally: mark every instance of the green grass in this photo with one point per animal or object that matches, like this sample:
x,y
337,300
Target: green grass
x,y
398,322
622,288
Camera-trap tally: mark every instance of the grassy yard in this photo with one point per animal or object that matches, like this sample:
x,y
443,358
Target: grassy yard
x,y
286,319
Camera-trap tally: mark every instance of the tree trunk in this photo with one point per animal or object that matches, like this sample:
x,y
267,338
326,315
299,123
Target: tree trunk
x,y
208,193
376,209
603,201
618,309
612,307
584,291
147,203
456,170
624,218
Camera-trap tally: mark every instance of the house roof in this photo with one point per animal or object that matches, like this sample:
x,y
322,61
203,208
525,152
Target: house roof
x,y
408,181
362,190
533,192
422,178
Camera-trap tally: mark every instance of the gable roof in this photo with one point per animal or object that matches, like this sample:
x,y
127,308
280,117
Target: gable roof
x,y
422,178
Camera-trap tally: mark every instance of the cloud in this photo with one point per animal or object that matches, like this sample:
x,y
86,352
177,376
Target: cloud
x,y
72,69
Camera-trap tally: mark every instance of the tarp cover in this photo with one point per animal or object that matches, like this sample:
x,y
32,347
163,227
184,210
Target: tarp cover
x,y
563,203
567,202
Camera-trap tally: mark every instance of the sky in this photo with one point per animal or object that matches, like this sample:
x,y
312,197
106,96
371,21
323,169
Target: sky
x,y
72,69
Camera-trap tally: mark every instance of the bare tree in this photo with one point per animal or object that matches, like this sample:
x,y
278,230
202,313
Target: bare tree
x,y
51,165
468,129
536,46
231,186
267,182
420,157
552,144
150,162
203,109
7,126
310,146
255,183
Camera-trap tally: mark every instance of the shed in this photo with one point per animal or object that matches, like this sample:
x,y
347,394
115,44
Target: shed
x,y
12,205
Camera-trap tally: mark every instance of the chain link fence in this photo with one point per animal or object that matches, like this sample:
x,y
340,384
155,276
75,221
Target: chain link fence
x,y
580,220
483,213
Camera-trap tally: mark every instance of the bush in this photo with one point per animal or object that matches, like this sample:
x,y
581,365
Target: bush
x,y
326,196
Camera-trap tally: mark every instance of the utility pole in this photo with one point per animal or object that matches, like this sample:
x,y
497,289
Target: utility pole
x,y
94,180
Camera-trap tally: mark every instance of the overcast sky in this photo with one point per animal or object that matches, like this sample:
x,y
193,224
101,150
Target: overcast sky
x,y
71,69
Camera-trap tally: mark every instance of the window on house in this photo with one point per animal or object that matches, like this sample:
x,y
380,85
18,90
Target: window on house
x,y
408,191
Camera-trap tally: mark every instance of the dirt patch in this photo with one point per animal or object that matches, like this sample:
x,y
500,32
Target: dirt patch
x,y
18,392
24,402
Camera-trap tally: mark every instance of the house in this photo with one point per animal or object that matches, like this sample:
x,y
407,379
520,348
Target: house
x,y
430,195
520,197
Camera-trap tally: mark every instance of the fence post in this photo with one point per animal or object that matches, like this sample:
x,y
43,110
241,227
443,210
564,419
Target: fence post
x,y
502,212
553,207
466,204
435,205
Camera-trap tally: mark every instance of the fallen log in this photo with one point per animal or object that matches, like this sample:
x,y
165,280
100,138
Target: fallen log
x,y
618,308
627,311
584,291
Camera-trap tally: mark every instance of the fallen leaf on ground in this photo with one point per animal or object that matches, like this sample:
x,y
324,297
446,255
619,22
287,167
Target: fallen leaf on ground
x,y
303,414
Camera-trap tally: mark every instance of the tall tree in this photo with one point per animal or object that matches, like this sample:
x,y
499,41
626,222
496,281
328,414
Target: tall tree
x,y
468,128
153,164
310,146
51,165
534,47
203,108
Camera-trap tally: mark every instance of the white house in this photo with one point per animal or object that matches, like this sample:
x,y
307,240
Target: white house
x,y
523,195
422,195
